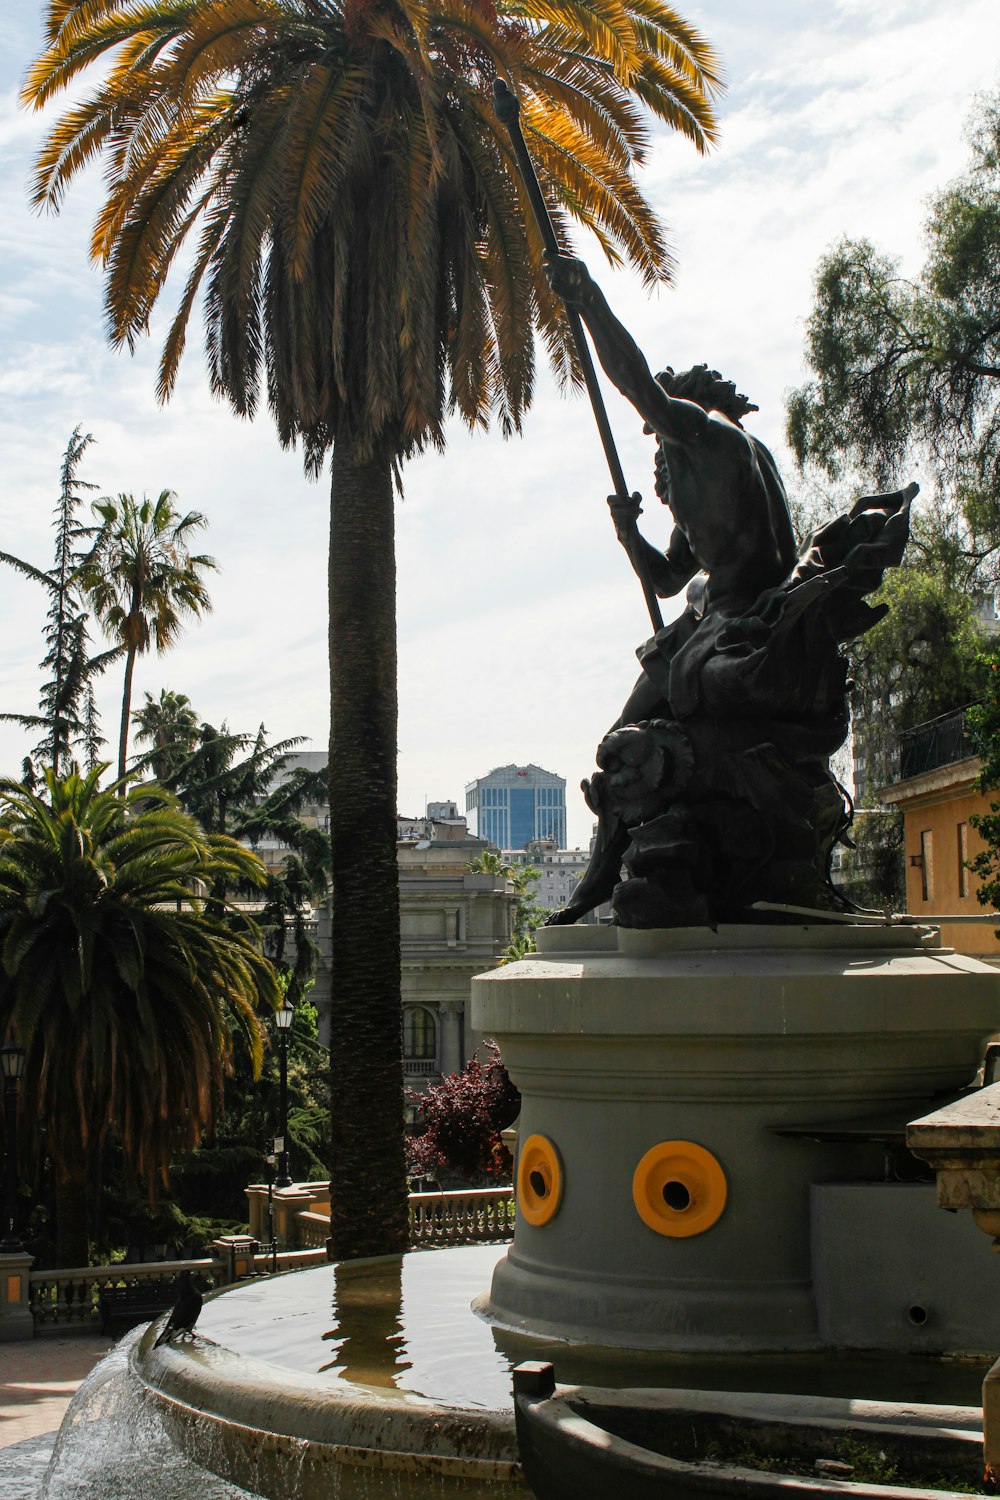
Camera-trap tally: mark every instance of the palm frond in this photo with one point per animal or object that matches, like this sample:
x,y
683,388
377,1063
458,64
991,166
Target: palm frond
x,y
361,238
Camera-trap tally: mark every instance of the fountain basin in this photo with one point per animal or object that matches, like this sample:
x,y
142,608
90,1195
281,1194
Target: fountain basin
x,y
315,1383
374,1378
281,1435
734,1065
584,1443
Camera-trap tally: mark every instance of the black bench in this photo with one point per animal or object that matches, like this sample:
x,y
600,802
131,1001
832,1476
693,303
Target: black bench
x,y
125,1307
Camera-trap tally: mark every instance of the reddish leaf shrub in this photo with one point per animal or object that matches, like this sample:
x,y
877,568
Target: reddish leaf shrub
x,y
463,1118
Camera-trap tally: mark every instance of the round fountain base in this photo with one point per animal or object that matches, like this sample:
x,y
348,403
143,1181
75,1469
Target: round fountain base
x,y
375,1378
764,1067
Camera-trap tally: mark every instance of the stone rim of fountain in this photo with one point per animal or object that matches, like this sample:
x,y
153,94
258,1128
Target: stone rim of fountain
x,y
253,1422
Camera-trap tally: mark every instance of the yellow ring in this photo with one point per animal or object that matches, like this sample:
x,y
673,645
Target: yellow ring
x,y
539,1180
679,1189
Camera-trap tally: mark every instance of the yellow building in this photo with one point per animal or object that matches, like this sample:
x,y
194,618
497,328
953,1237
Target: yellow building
x,y
937,795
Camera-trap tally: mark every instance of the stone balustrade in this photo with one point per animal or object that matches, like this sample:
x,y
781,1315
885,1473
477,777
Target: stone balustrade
x,y
465,1218
68,1300
313,1229
286,1204
302,1214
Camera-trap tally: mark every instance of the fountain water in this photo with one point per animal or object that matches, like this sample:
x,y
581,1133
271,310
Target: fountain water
x,y
113,1444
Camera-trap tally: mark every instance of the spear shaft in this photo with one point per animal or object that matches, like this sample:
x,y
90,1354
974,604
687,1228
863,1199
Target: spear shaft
x,y
509,112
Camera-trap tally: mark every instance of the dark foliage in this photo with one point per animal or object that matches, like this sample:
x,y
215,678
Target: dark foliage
x,y
463,1118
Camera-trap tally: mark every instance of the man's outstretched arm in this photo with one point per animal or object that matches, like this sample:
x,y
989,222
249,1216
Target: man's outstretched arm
x,y
623,361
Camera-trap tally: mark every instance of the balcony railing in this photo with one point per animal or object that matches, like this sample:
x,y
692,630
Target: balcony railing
x,y
421,1067
939,742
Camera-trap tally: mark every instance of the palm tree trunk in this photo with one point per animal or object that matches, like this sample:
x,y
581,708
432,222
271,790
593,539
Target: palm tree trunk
x,y
368,1175
72,1224
126,711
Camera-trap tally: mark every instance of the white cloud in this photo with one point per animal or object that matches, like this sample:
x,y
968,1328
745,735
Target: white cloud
x,y
518,613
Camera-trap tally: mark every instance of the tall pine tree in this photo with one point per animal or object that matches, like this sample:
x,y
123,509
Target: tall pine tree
x,y
66,716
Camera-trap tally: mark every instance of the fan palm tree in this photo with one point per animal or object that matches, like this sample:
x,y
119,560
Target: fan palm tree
x,y
141,581
169,726
351,214
124,991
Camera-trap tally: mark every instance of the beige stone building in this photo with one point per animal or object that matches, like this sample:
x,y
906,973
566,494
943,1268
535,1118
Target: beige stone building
x,y
454,923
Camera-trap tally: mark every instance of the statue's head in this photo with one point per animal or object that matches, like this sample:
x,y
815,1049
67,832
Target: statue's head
x,y
707,389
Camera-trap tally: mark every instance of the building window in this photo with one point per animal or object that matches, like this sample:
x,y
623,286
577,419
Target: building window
x,y
926,864
963,855
419,1034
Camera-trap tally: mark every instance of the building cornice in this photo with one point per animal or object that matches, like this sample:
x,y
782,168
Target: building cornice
x,y
942,779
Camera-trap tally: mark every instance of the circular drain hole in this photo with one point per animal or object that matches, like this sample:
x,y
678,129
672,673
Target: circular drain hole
x,y
538,1184
676,1196
917,1315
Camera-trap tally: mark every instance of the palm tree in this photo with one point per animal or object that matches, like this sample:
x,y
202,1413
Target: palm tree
x,y
123,990
141,581
367,255
169,726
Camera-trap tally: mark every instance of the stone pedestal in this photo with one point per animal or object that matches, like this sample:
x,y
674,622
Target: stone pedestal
x,y
16,1321
657,1070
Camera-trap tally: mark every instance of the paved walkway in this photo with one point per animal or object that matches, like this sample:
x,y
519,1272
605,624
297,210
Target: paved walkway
x,y
37,1380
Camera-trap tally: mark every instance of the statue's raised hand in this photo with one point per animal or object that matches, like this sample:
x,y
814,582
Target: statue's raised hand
x,y
569,279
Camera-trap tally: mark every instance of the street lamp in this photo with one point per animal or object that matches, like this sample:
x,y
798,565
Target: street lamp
x,y
12,1067
283,1019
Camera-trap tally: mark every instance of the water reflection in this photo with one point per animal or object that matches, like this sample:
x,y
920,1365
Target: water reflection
x,y
367,1341
407,1322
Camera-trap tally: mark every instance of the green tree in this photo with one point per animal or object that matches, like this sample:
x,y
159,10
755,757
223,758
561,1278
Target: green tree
x,y
919,662
872,873
122,988
224,779
169,726
210,1182
905,370
237,784
983,724
367,253
141,581
907,374
66,712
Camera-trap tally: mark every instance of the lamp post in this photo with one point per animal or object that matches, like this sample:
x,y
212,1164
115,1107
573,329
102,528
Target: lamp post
x,y
283,1019
12,1066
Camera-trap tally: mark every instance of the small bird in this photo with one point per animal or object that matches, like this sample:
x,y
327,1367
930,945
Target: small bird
x,y
185,1310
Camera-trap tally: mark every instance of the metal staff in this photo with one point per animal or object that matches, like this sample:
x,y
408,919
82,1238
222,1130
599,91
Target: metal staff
x,y
509,111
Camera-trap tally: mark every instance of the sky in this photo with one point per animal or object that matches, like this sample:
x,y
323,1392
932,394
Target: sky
x,y
518,613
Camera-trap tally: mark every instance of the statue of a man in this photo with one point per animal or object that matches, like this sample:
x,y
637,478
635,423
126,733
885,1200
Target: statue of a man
x,y
742,699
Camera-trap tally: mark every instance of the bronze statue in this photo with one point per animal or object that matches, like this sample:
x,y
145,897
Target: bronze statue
x,y
714,789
